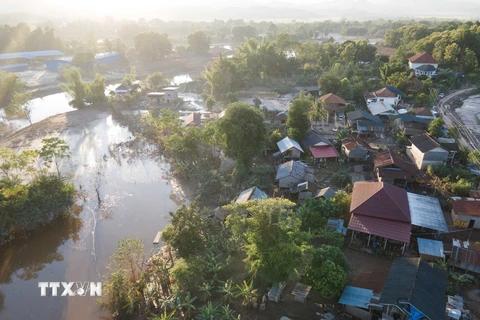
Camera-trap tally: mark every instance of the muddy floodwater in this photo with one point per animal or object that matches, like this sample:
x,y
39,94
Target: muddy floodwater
x,y
125,190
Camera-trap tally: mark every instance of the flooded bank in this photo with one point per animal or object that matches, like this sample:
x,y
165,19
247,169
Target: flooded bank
x,y
125,190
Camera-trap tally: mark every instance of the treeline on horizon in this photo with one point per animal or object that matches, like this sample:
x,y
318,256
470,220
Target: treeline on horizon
x,y
83,34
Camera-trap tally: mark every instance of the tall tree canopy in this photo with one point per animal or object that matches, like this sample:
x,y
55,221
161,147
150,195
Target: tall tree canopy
x,y
152,45
242,131
198,42
298,120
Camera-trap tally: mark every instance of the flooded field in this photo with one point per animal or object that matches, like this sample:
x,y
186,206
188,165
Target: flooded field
x,y
125,190
470,112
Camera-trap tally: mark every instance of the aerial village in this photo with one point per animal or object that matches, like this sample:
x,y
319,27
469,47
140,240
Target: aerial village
x,y
262,202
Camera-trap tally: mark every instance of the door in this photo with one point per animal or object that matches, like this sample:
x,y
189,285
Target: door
x,y
471,224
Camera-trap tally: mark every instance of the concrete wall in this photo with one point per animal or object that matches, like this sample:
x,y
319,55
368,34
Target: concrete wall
x,y
466,219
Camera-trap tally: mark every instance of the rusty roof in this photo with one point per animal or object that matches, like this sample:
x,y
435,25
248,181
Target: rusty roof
x,y
331,98
387,158
385,93
351,143
194,118
422,57
380,200
466,207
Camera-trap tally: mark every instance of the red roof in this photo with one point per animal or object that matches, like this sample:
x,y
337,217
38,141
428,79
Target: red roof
x,y
422,58
466,207
323,152
331,98
380,200
380,209
395,230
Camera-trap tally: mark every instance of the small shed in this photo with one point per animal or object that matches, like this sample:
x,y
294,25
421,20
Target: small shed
x,y
306,190
466,210
337,225
194,119
276,292
291,173
326,193
355,148
301,291
290,148
430,250
357,301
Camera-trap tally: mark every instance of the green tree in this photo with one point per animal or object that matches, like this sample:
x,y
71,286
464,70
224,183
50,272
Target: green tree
x,y
156,81
187,305
317,112
75,87
247,293
314,213
115,292
53,151
298,122
96,90
453,132
185,232
129,256
242,131
239,33
198,42
223,77
210,103
83,59
9,83
270,237
474,157
435,128
13,165
469,61
19,107
152,45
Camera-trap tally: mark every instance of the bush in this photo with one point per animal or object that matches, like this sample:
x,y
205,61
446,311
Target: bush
x,y
188,273
341,179
26,207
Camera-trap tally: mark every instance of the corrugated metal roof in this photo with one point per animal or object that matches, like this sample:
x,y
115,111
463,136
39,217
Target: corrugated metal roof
x,y
356,297
422,57
319,152
314,138
251,194
104,55
466,207
430,247
389,158
426,212
30,54
424,142
390,229
413,280
331,98
326,193
297,169
362,115
380,200
351,143
379,107
286,144
408,117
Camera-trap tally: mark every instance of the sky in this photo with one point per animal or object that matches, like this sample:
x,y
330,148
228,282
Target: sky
x,y
246,9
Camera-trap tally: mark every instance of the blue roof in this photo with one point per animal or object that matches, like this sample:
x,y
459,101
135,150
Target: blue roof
x,y
430,247
357,297
106,55
30,54
286,144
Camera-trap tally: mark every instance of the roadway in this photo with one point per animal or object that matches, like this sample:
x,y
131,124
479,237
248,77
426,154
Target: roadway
x,y
466,137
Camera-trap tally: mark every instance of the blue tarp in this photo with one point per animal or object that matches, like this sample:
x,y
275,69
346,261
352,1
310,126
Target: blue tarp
x,y
415,314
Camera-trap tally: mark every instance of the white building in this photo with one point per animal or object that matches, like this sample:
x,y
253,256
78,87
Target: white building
x,y
383,101
423,64
425,151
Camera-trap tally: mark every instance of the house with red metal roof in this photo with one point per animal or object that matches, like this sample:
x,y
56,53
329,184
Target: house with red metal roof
x,y
388,212
466,210
320,147
423,64
465,255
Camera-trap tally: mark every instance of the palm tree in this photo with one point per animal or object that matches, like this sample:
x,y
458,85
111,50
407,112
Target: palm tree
x,y
227,290
208,312
227,313
317,111
247,292
187,305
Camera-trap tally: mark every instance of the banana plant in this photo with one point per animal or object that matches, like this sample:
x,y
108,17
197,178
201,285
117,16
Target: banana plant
x,y
227,290
187,305
247,292
226,313
208,312
165,316
206,288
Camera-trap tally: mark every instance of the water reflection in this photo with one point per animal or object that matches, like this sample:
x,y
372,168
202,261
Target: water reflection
x,y
24,259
